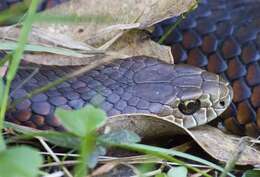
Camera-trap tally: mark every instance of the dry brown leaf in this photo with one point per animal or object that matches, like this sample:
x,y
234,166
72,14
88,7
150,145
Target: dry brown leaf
x,y
217,144
121,15
136,43
133,43
103,169
111,35
146,126
222,146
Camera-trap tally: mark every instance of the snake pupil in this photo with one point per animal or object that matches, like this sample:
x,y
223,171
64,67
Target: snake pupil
x,y
189,107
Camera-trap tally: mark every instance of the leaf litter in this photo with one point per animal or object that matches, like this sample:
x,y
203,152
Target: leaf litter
x,y
121,36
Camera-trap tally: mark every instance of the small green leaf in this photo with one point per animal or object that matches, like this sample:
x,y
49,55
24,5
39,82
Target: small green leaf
x,y
20,161
82,121
93,158
62,139
178,171
118,137
162,175
251,173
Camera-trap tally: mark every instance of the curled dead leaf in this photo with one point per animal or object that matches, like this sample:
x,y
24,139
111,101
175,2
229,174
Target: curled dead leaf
x,y
217,144
222,146
146,126
133,43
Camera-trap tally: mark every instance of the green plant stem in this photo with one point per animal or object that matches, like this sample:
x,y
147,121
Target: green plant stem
x,y
164,156
17,55
183,16
87,147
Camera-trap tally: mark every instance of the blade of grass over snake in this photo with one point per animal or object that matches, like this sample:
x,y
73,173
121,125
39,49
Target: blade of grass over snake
x,y
35,71
183,16
236,155
72,18
14,13
16,58
7,45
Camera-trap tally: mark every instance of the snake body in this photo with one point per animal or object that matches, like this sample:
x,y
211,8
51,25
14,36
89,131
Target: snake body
x,y
182,93
221,36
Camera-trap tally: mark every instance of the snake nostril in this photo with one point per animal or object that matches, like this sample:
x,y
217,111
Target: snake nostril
x,y
222,103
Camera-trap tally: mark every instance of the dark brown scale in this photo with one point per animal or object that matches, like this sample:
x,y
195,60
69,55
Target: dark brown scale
x,y
22,116
255,98
191,39
197,58
241,90
179,54
230,48
216,63
245,113
38,120
236,69
253,74
210,43
224,36
250,53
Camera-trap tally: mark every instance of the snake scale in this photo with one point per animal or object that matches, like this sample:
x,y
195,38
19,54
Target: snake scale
x,y
220,36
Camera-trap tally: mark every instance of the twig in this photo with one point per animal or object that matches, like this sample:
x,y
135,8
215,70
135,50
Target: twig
x,y
69,162
48,149
236,155
60,154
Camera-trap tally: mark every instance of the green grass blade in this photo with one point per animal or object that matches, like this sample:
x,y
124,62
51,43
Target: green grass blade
x,y
161,152
172,27
14,64
38,48
73,18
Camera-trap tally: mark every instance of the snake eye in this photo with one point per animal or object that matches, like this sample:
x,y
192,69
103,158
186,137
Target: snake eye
x,y
189,107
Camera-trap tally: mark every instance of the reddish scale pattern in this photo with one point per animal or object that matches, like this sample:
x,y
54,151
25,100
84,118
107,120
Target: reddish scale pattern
x,y
224,37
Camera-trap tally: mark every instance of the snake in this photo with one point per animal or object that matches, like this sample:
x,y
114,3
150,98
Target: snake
x,y
215,49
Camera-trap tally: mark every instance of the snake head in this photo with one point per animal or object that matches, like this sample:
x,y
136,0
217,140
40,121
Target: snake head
x,y
201,96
